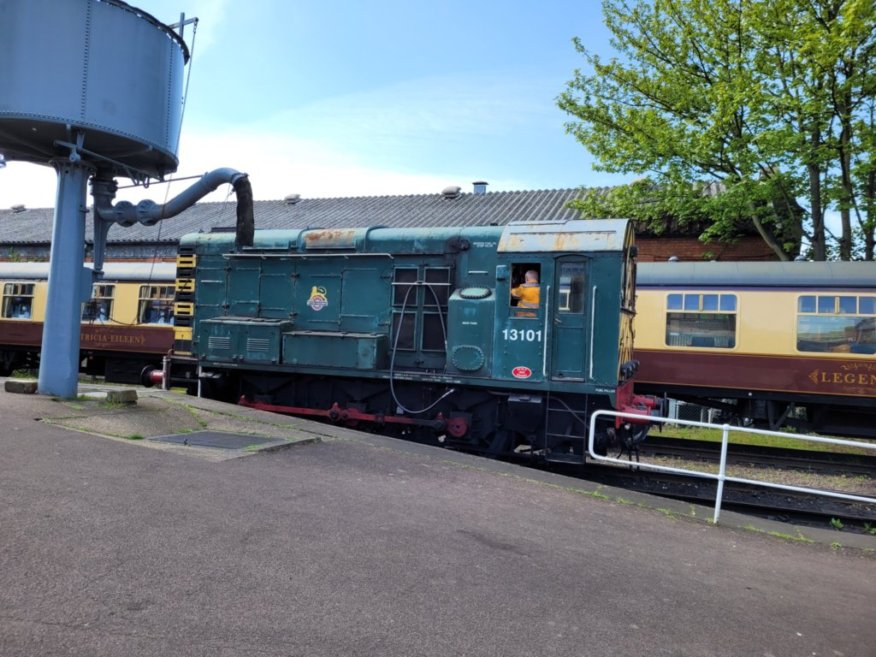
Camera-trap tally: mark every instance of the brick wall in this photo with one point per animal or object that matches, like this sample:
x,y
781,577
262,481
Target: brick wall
x,y
660,249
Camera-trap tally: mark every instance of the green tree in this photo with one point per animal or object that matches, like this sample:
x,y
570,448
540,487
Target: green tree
x,y
756,112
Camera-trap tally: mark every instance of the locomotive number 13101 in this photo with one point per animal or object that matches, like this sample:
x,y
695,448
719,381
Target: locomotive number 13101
x,y
521,335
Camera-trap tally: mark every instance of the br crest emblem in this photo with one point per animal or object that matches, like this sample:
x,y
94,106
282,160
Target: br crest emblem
x,y
318,299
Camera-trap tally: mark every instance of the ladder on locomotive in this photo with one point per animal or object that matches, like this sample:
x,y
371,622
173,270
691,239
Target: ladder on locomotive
x,y
579,416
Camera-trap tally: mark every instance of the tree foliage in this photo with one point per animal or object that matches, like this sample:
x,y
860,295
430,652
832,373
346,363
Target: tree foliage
x,y
737,111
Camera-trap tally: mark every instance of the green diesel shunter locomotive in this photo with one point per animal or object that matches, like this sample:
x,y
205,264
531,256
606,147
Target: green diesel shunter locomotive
x,y
500,340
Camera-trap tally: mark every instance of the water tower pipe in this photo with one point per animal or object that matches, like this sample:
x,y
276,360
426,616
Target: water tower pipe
x,y
149,213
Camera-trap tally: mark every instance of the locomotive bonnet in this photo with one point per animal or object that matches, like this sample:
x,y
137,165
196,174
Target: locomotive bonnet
x,y
418,331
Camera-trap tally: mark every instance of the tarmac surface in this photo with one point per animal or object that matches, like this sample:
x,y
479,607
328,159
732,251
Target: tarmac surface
x,y
314,540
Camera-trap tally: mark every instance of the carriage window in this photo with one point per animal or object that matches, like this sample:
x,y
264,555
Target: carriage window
x,y
701,320
834,323
100,307
17,300
525,289
156,304
571,287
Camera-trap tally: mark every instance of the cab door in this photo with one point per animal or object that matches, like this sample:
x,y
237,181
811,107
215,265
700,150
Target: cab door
x,y
519,350
571,321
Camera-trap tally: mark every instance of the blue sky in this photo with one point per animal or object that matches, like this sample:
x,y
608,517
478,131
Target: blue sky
x,y
339,98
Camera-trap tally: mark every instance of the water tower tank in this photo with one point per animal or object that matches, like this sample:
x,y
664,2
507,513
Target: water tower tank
x,y
100,67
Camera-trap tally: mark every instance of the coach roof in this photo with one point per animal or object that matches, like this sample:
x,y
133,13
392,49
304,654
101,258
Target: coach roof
x,y
756,274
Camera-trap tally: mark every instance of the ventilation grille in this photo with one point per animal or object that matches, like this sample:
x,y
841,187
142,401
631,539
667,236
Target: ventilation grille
x,y
219,343
262,345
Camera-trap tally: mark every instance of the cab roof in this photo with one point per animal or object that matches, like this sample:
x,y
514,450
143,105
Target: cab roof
x,y
589,235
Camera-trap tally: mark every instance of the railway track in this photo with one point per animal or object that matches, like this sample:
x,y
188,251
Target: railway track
x,y
817,470
757,456
761,501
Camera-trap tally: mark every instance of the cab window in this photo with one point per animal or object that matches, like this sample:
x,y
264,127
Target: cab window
x,y
572,285
525,289
17,300
701,320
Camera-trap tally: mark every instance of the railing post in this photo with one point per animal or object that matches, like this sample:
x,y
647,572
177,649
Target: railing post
x,y
721,477
722,472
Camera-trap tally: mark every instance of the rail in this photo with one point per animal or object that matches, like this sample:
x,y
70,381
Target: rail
x,y
722,476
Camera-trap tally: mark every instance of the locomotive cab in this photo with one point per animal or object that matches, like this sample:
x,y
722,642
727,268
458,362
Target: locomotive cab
x,y
579,335
582,277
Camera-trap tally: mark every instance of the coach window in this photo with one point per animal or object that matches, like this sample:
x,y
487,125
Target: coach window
x,y
17,300
100,307
156,304
836,323
701,320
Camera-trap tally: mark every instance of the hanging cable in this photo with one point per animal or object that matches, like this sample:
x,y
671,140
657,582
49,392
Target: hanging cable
x,y
392,362
186,90
443,325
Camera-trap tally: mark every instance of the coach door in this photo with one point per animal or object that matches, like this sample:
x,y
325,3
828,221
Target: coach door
x,y
571,325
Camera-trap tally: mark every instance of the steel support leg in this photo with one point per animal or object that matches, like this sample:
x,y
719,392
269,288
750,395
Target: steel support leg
x,y
59,359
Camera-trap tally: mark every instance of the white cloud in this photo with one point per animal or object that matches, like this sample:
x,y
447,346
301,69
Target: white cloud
x,y
406,138
277,165
447,107
27,184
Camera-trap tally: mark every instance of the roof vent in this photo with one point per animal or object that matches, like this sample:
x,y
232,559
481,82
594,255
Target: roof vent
x,y
17,208
292,199
480,187
451,192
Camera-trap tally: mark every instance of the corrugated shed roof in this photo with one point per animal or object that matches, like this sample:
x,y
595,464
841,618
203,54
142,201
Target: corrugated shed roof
x,y
35,225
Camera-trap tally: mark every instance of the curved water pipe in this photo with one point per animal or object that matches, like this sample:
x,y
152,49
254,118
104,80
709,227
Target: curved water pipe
x,y
148,213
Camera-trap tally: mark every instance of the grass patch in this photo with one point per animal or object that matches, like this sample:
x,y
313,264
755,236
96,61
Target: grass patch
x,y
24,374
744,438
134,436
798,538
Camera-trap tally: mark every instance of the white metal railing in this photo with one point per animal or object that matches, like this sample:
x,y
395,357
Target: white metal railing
x,y
721,477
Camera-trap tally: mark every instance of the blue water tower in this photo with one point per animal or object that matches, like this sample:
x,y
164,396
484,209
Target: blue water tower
x,y
94,89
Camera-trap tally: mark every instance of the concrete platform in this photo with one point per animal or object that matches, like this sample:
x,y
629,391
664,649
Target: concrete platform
x,y
335,542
